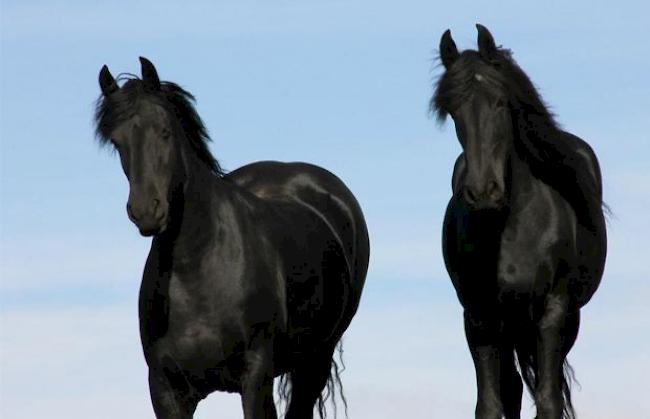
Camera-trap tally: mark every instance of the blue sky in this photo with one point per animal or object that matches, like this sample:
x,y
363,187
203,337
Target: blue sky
x,y
341,84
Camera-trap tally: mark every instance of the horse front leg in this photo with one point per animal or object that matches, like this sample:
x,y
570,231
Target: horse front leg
x,y
170,395
257,383
482,330
550,357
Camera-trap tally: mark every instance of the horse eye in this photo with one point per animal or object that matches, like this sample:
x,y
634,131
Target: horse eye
x,y
500,103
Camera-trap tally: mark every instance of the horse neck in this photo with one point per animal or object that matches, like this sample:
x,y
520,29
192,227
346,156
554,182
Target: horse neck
x,y
195,209
522,182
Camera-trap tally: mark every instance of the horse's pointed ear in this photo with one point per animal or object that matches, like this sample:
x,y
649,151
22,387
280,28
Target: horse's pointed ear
x,y
448,51
149,75
107,82
486,46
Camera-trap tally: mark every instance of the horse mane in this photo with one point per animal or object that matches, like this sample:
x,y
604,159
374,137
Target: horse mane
x,y
552,154
112,110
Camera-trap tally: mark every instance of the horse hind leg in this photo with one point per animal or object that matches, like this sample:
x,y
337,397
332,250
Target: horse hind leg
x,y
511,385
570,335
308,380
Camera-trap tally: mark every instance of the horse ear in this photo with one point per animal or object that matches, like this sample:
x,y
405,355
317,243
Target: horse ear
x,y
107,82
448,51
149,75
486,46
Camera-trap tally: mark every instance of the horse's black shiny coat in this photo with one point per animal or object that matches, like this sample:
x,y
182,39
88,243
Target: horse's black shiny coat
x,y
251,275
524,234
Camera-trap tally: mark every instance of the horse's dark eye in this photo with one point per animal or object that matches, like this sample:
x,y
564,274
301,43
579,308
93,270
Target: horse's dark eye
x,y
500,103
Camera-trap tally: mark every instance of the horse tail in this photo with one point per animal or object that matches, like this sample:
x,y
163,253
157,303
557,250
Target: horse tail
x,y
283,392
528,367
568,378
333,388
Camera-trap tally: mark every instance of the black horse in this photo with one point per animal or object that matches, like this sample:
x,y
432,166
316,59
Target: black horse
x,y
524,234
251,275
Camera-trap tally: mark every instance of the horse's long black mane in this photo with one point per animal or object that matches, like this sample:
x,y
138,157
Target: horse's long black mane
x,y
502,73
113,110
551,153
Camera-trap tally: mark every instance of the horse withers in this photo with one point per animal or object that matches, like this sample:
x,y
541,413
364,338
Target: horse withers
x,y
524,237
251,275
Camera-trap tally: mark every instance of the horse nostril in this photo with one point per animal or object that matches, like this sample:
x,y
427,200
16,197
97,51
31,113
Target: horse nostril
x,y
492,187
470,195
158,210
494,191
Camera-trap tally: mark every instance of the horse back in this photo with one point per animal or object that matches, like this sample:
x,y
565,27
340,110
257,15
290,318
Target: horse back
x,y
574,172
580,156
315,190
584,191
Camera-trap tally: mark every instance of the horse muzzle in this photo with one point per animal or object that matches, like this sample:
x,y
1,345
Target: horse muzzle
x,y
151,221
491,196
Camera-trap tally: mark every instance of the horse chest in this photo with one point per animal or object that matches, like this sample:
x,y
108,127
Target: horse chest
x,y
200,327
532,244
517,261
